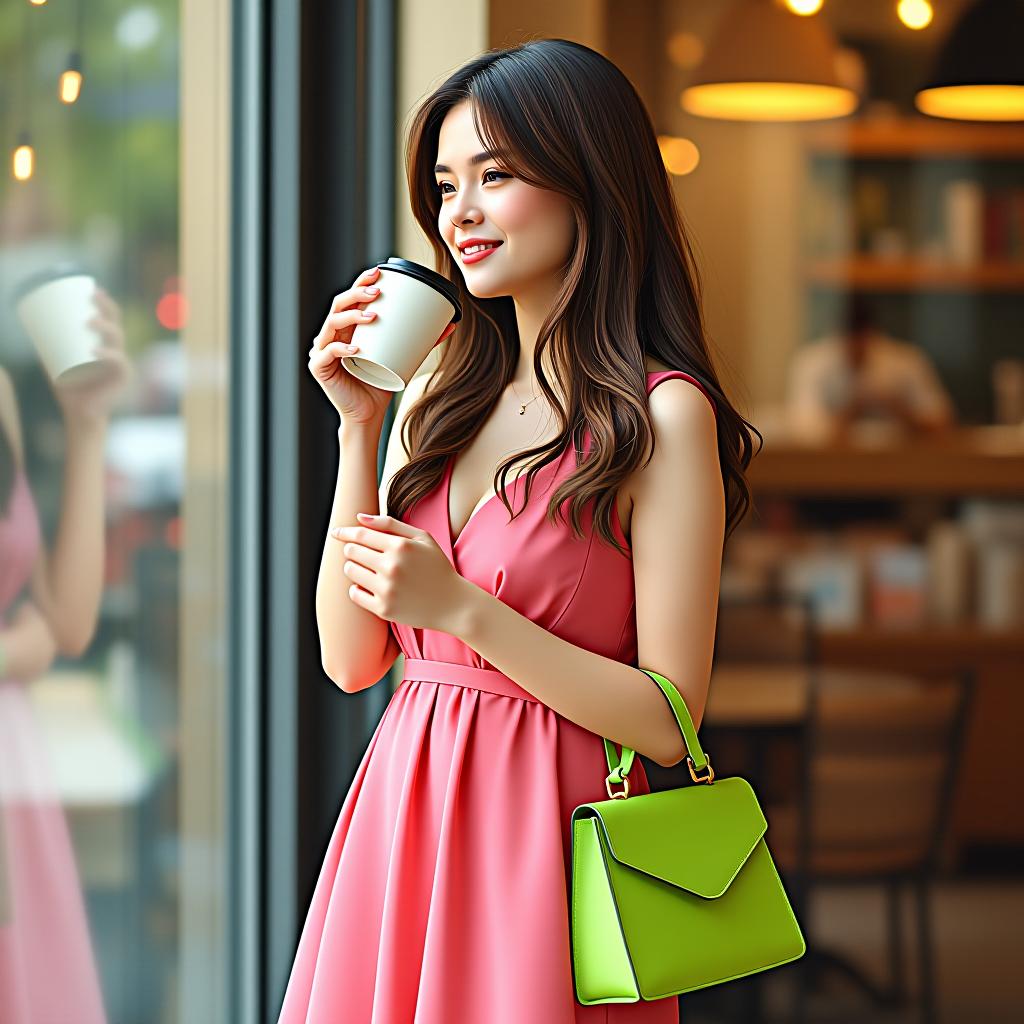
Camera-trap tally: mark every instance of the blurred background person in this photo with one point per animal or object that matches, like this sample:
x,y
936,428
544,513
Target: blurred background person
x,y
862,373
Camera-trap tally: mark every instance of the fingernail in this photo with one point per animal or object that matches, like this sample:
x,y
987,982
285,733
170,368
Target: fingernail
x,y
364,515
372,288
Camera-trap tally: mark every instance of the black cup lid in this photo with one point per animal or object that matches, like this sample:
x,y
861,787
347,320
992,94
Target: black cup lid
x,y
65,268
427,276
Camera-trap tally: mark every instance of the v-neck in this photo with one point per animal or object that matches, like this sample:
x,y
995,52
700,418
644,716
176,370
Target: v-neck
x,y
453,541
446,488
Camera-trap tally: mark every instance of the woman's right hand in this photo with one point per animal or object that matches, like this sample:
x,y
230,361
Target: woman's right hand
x,y
355,401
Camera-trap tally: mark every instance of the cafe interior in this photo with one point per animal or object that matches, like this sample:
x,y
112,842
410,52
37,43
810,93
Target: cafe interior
x,y
851,173
851,177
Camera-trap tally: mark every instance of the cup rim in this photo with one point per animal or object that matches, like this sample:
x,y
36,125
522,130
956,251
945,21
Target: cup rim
x,y
53,272
437,281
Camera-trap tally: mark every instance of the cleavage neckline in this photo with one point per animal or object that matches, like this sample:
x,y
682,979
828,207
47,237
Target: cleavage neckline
x,y
453,541
510,486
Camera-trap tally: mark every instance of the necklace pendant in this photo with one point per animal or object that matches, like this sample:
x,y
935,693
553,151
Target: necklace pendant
x,y
522,410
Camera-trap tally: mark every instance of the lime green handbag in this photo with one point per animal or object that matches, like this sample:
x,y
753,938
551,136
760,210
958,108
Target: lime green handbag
x,y
675,890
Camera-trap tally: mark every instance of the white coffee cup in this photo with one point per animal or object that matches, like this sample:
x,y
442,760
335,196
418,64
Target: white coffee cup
x,y
413,308
55,306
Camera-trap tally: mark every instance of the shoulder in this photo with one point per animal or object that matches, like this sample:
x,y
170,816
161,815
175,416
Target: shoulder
x,y
674,386
679,402
10,420
685,437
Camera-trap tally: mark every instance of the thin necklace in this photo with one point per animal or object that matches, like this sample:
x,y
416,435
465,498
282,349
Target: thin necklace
x,y
523,405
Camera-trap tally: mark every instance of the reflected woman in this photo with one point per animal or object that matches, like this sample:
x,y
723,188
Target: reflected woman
x,y
48,608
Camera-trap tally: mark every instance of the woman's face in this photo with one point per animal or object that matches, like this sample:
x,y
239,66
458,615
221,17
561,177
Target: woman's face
x,y
535,226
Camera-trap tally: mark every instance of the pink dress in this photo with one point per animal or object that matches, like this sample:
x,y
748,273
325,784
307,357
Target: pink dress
x,y
47,970
443,897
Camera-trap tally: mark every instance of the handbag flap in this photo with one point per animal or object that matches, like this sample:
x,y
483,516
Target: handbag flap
x,y
696,837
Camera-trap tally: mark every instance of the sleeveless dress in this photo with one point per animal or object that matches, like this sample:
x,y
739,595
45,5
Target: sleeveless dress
x,y
443,896
47,970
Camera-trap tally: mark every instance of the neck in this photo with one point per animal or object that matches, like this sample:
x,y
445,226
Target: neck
x,y
532,305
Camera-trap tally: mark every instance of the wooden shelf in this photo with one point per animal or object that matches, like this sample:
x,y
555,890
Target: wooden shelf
x,y
969,461
867,273
931,646
905,137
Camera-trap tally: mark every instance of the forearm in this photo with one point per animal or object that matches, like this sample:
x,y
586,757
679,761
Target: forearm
x,y
601,694
76,569
352,639
27,648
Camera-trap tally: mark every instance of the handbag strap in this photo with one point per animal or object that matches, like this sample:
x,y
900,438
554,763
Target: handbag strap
x,y
619,766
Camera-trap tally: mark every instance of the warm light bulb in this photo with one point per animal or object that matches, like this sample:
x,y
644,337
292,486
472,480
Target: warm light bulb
x,y
70,85
24,159
804,7
914,13
37,3
685,49
768,101
973,102
681,156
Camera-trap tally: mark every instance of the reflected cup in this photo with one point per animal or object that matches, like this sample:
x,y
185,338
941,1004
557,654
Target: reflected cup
x,y
55,306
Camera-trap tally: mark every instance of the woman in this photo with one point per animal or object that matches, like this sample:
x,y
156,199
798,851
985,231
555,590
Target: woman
x,y
48,607
443,894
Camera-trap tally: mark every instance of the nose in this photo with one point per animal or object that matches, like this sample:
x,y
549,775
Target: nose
x,y
463,212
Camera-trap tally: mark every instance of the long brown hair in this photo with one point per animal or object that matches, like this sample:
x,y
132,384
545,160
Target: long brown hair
x,y
565,118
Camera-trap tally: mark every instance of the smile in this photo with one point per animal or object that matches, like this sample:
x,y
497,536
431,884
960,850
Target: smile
x,y
477,253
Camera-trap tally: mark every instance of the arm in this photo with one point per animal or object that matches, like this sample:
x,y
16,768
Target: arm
x,y
67,588
357,647
677,530
931,406
27,645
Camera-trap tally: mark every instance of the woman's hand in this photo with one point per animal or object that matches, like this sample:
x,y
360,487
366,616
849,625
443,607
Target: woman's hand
x,y
355,401
399,573
89,401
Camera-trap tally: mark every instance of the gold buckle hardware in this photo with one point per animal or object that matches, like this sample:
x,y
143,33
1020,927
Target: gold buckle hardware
x,y
622,794
700,778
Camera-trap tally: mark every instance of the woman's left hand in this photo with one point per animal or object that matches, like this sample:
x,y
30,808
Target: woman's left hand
x,y
400,573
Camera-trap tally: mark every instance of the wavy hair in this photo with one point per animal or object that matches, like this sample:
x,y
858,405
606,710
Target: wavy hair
x,y
565,118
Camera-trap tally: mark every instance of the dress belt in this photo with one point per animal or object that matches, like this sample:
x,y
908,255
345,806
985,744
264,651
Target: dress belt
x,y
490,680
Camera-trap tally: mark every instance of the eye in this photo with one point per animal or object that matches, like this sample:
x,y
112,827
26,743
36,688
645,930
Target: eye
x,y
439,187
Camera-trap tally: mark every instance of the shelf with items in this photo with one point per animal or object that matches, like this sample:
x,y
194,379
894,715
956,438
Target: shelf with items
x,y
898,204
877,225
921,225
955,571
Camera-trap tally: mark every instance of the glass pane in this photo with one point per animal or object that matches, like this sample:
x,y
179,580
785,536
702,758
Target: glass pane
x,y
111,602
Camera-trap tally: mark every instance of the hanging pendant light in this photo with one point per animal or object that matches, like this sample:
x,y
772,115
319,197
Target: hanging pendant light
x,y
979,75
71,76
766,63
23,159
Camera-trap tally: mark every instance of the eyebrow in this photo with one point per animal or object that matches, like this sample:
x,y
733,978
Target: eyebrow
x,y
473,161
